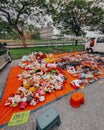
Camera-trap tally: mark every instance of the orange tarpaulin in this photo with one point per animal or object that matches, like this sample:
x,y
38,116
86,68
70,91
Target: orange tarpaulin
x,y
13,84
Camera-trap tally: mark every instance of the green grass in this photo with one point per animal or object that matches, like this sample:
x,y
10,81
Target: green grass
x,y
20,52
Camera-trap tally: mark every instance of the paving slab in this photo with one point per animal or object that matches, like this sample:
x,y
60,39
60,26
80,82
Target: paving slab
x,y
4,73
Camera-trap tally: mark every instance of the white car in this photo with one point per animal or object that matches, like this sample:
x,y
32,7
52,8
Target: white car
x,y
4,56
98,44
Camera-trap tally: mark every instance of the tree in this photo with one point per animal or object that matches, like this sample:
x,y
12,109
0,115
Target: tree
x,y
100,25
4,28
75,14
6,31
18,12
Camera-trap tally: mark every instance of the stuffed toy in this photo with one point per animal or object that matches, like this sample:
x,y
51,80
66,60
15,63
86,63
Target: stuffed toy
x,y
51,65
32,89
29,98
57,87
53,72
17,98
36,97
33,102
47,89
23,103
89,75
22,89
26,84
36,77
8,102
13,100
41,98
25,58
57,77
40,91
81,76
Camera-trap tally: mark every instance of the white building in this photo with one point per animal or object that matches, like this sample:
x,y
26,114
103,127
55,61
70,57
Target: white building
x,y
46,32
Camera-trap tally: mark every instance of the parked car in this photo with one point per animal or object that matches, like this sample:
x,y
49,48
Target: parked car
x,y
98,45
4,55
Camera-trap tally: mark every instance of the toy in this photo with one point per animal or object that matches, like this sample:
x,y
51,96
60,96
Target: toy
x,y
36,97
23,103
33,102
29,98
13,100
51,65
22,90
81,76
40,91
9,100
41,98
32,89
76,83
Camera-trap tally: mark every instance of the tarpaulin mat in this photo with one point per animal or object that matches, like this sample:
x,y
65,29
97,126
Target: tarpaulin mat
x,y
12,86
13,83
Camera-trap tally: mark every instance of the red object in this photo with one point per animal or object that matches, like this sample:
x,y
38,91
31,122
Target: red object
x,y
77,99
92,43
74,86
22,105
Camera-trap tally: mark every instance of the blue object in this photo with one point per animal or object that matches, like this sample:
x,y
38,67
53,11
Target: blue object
x,y
48,119
83,75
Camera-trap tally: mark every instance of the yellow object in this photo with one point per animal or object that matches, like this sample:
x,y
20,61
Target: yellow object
x,y
49,60
31,89
27,85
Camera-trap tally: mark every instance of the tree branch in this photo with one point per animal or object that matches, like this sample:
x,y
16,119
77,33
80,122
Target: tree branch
x,y
7,15
19,13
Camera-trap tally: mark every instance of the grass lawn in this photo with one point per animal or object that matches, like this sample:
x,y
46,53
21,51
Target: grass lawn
x,y
19,52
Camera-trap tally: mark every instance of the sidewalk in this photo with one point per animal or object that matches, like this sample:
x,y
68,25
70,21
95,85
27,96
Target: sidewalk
x,y
4,75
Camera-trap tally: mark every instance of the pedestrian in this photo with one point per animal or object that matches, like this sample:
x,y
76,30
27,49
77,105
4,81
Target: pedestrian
x,y
92,42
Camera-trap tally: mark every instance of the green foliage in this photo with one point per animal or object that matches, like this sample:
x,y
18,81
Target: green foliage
x,y
72,15
96,15
96,20
6,32
18,12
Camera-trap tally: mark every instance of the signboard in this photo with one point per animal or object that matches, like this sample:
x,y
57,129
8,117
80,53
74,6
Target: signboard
x,y
19,118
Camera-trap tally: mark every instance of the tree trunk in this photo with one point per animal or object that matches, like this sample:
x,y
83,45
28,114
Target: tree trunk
x,y
23,40
76,42
21,34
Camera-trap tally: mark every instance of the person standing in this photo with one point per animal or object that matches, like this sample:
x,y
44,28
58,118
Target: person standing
x,y
92,42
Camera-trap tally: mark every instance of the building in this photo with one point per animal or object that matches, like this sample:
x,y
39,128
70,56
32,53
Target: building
x,y
46,32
